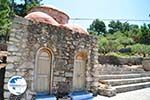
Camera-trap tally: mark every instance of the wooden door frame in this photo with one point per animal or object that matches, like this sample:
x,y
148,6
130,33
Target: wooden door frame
x,y
48,50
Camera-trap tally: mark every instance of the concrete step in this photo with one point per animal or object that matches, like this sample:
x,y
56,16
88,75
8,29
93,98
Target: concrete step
x,y
115,82
131,87
121,76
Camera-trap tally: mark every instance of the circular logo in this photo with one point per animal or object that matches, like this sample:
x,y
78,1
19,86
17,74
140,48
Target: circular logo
x,y
17,85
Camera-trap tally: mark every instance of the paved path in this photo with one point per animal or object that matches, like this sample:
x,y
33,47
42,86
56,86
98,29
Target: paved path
x,y
142,94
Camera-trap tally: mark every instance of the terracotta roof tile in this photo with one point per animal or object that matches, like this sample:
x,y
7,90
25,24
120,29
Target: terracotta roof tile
x,y
41,17
75,28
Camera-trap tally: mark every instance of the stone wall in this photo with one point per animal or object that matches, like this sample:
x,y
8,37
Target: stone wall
x,y
28,37
119,61
102,69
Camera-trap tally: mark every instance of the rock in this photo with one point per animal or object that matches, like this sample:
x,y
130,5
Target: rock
x,y
107,92
146,65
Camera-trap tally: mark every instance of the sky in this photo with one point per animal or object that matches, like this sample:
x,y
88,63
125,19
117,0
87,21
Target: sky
x,y
103,9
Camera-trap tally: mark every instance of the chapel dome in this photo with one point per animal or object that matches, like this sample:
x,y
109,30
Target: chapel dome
x,y
75,28
41,17
60,16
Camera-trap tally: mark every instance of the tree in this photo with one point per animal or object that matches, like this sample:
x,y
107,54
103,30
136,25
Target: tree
x,y
125,27
115,26
98,27
134,33
7,9
145,38
5,20
22,8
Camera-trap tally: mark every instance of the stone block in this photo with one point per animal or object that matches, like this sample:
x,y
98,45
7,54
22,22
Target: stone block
x,y
10,66
56,73
88,79
20,73
18,36
16,54
5,87
107,92
11,59
68,74
6,94
9,74
58,79
13,39
12,48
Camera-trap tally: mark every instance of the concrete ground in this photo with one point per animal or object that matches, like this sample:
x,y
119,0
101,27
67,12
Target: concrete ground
x,y
142,94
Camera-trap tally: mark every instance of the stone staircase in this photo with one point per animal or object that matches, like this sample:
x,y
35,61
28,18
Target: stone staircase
x,y
118,80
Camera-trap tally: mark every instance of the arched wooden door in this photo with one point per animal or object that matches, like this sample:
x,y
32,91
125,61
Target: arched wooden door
x,y
79,72
43,71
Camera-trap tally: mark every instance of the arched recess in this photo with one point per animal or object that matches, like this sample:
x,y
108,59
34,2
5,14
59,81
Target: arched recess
x,y
79,77
43,71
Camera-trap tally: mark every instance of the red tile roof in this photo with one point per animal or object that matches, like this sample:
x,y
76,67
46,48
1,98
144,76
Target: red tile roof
x,y
41,17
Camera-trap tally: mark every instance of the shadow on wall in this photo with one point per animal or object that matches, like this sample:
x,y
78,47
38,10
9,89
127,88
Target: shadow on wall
x,y
2,76
119,61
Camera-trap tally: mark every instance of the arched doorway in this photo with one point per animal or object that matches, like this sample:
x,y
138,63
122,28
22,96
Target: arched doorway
x,y
43,71
79,71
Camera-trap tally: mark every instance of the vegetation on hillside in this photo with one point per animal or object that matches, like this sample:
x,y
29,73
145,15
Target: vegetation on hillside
x,y
122,38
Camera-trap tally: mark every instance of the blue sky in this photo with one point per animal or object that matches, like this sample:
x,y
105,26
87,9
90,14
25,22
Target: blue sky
x,y
103,9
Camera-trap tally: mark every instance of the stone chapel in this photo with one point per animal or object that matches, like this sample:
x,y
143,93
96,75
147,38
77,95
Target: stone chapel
x,y
51,54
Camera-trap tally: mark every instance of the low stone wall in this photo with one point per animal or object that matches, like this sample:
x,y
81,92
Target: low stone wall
x,y
119,61
101,69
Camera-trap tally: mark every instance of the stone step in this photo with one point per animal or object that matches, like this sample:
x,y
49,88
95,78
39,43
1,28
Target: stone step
x,y
120,69
131,87
119,72
120,76
115,82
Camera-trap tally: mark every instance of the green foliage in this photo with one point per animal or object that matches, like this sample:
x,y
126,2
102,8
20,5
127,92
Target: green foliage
x,y
5,20
134,33
115,26
103,44
22,8
7,10
141,49
131,39
145,38
97,27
